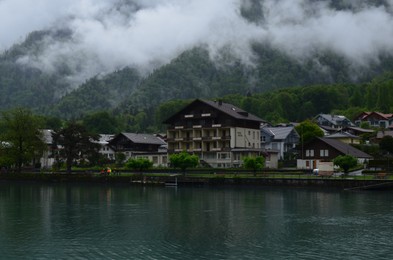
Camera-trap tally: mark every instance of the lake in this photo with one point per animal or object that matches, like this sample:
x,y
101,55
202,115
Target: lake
x,y
98,221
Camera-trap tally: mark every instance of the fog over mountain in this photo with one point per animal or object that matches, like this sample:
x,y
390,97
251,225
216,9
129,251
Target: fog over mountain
x,y
106,35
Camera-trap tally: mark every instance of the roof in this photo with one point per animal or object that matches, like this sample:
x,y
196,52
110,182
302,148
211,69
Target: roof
x,y
144,138
105,138
279,133
379,114
334,119
344,148
342,135
232,110
226,108
359,129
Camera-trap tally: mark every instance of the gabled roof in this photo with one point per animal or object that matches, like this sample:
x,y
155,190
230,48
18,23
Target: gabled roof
x,y
379,115
226,108
344,148
342,135
362,115
358,129
279,133
334,119
144,138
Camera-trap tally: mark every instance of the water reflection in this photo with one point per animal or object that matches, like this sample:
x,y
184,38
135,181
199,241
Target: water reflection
x,y
49,221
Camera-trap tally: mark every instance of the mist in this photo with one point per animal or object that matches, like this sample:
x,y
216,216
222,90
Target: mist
x,y
107,35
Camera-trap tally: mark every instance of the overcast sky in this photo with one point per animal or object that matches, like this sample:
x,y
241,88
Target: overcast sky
x,y
111,34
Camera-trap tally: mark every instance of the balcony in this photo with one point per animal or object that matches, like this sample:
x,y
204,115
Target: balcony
x,y
216,138
179,127
206,114
197,126
216,125
179,139
215,149
188,116
197,138
197,149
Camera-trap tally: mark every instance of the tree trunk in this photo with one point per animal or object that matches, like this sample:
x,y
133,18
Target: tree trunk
x,y
68,165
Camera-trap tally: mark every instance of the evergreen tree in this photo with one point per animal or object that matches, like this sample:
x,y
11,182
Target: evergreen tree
x,y
74,142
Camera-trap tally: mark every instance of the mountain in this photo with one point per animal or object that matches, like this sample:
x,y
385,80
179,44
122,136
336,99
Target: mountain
x,y
26,86
68,71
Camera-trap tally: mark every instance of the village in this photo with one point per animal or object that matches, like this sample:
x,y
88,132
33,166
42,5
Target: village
x,y
221,135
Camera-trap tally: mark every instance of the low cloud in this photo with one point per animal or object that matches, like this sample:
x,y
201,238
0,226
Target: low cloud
x,y
108,35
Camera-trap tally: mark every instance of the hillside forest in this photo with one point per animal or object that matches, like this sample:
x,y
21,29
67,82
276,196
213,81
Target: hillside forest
x,y
294,104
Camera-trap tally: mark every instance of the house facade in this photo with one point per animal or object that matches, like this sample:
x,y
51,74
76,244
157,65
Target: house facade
x,y
105,149
47,159
375,119
136,145
325,150
282,139
219,133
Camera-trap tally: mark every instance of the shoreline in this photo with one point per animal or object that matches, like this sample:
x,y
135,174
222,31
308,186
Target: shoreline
x,y
189,180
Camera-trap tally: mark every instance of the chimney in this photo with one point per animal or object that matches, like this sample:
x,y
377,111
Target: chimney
x,y
219,102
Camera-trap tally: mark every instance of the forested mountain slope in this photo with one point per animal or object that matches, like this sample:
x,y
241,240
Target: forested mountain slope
x,y
58,71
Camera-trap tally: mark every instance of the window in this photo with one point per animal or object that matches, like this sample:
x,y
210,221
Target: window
x,y
309,153
223,156
324,153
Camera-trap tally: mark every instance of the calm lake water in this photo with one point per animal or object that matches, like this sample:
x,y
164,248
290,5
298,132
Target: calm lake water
x,y
80,221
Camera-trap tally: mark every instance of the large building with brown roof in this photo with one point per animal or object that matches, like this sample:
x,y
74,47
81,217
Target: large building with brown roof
x,y
220,134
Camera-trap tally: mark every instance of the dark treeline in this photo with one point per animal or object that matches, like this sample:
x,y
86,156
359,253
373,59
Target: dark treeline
x,y
279,106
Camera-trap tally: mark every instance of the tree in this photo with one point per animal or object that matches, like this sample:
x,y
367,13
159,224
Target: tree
x,y
139,164
21,140
183,161
119,159
254,163
101,123
308,130
386,144
75,142
345,162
